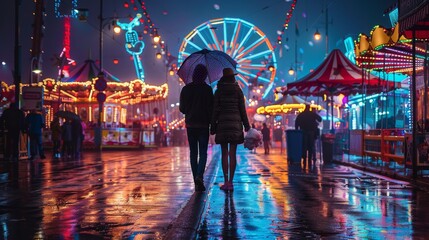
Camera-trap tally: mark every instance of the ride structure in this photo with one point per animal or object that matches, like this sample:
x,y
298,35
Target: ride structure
x,y
244,42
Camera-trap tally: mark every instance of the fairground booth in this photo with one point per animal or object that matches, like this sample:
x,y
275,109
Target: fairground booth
x,y
383,125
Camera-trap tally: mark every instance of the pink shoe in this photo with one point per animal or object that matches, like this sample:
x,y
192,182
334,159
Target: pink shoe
x,y
224,187
227,187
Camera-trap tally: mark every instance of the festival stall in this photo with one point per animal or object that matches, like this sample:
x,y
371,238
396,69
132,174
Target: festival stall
x,y
387,50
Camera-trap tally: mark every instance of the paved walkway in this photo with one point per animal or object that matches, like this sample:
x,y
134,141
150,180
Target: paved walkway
x,y
150,195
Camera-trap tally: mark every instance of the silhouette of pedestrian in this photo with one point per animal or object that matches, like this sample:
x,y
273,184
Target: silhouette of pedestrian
x,y
35,124
229,116
266,138
196,102
76,141
66,131
12,123
307,121
56,137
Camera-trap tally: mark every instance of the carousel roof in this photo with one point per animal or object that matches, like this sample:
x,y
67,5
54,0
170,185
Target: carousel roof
x,y
87,72
132,92
388,51
286,104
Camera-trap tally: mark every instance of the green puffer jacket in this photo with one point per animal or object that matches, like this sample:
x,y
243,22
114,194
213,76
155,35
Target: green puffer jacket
x,y
229,112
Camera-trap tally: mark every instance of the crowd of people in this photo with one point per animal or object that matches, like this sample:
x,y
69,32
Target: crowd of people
x,y
66,138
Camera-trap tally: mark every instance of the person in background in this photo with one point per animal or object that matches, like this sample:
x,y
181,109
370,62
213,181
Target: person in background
x,y
35,124
229,117
66,135
56,137
307,121
12,122
196,102
76,127
266,138
254,149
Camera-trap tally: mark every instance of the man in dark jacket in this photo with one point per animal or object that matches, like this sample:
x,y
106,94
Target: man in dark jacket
x,y
12,122
266,138
196,102
307,121
35,124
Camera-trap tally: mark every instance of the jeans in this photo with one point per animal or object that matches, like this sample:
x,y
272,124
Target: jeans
x,y
36,145
198,139
308,144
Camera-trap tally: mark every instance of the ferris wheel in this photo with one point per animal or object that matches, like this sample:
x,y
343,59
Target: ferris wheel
x,y
244,42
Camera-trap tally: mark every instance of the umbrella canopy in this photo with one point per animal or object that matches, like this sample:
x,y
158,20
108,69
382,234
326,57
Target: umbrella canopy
x,y
67,115
214,60
337,75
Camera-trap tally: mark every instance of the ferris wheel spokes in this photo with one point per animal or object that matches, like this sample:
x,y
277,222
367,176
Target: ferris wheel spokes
x,y
252,47
241,40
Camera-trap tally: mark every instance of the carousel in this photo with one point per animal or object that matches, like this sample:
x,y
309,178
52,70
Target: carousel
x,y
132,111
388,51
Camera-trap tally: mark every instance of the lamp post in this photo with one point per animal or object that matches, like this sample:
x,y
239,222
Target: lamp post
x,y
17,54
294,69
35,70
100,85
317,36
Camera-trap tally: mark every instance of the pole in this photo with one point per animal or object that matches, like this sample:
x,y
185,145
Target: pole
x,y
17,55
98,131
296,57
413,109
326,29
101,36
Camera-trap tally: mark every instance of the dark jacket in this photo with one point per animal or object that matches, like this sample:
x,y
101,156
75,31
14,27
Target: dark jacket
x,y
12,120
307,121
35,123
229,112
266,136
196,102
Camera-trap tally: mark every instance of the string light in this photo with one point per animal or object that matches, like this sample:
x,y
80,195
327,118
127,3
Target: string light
x,y
286,24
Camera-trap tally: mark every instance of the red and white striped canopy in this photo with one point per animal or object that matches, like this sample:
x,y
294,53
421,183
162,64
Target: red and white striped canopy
x,y
337,75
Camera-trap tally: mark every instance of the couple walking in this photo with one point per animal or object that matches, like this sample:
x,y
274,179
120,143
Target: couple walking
x,y
223,114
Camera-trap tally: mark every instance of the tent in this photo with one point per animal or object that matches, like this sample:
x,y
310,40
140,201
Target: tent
x,y
87,72
338,75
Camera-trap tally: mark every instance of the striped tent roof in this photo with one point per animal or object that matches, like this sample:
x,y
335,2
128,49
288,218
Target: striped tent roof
x,y
87,72
337,75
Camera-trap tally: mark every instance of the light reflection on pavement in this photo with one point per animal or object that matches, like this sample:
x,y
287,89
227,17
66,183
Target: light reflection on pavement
x,y
139,194
274,199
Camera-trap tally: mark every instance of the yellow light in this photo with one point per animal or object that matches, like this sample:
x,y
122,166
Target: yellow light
x,y
37,71
271,68
158,55
317,36
156,38
291,71
116,29
171,72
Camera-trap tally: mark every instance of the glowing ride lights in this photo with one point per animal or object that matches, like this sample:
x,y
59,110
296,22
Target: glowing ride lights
x,y
243,42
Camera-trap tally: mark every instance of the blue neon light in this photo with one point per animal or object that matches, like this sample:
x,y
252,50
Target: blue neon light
x,y
72,12
133,45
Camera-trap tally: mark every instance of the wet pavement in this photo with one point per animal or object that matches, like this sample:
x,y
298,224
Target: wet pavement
x,y
141,194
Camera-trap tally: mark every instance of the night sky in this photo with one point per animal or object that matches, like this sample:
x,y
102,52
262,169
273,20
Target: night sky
x,y
175,19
